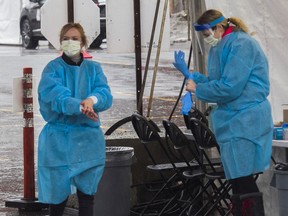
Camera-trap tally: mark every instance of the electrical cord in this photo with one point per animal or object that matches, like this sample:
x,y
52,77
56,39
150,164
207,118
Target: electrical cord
x,y
183,84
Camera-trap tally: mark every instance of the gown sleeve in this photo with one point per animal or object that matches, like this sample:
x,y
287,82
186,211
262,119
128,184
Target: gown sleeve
x,y
101,91
199,78
236,71
54,98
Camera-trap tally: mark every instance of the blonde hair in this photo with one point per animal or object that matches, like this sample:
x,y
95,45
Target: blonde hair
x,y
211,15
77,26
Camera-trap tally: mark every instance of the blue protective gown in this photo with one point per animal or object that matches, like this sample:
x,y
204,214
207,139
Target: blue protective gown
x,y
238,82
71,147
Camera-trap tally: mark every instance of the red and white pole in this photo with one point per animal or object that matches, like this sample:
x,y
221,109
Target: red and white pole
x,y
29,202
28,135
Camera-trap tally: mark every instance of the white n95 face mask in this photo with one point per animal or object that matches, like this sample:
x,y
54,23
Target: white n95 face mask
x,y
211,40
71,47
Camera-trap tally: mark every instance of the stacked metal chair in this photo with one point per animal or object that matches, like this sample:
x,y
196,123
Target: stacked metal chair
x,y
173,195
196,113
205,140
213,194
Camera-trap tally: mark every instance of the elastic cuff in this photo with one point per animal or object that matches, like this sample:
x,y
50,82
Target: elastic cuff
x,y
95,99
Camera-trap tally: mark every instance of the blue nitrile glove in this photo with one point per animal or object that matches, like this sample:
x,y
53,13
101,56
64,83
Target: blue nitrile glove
x,y
179,63
187,103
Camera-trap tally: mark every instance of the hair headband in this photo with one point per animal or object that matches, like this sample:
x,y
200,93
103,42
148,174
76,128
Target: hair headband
x,y
201,27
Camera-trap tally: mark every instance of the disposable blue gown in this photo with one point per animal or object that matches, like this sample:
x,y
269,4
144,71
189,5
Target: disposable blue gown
x,y
238,82
71,147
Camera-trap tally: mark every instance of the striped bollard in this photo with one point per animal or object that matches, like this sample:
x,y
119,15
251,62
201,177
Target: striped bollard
x,y
29,202
28,135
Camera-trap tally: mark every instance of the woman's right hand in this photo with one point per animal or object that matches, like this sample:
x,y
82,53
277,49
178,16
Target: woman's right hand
x,y
87,109
191,85
179,63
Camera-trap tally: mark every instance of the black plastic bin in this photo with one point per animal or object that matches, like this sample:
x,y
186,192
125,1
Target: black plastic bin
x,y
280,181
113,195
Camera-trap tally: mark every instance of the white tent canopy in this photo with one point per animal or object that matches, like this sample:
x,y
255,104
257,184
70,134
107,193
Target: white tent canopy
x,y
268,19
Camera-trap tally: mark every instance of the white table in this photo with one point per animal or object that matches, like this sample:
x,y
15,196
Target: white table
x,y
280,143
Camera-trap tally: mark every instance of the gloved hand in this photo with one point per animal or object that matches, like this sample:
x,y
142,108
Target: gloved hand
x,y
179,63
187,103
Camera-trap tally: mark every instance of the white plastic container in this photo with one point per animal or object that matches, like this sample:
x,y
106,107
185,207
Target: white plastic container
x,y
285,131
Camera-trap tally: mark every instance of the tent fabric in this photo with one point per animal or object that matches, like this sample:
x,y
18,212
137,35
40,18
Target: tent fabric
x,y
268,20
9,21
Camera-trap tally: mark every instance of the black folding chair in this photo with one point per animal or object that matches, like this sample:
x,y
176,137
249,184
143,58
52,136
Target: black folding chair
x,y
204,198
195,113
167,199
205,140
193,173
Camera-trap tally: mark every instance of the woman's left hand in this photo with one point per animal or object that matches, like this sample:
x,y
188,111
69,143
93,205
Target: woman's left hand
x,y
88,110
191,85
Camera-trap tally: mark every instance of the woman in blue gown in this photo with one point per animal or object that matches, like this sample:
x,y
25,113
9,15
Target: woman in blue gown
x,y
71,148
238,82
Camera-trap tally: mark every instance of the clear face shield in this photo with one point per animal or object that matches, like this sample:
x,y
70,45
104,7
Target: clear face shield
x,y
206,32
203,34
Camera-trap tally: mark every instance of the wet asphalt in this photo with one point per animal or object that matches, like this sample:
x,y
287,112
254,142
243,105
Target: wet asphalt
x,y
120,72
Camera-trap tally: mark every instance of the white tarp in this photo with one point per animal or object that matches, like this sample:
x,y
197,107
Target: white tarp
x,y
9,21
269,20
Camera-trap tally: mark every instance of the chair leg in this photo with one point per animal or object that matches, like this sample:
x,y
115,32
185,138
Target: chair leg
x,y
197,207
219,200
